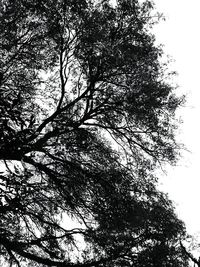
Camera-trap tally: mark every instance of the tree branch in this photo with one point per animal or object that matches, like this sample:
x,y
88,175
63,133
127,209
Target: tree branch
x,y
190,256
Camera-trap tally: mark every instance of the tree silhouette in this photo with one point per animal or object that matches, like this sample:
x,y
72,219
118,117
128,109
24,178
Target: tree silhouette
x,y
86,116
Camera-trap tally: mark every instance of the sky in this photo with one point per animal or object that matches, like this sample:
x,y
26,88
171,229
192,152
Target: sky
x,y
180,35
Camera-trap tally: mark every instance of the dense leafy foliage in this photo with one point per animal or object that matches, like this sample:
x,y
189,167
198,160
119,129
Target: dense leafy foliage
x,y
86,115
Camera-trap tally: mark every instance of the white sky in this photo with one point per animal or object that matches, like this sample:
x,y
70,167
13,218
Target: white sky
x,y
180,35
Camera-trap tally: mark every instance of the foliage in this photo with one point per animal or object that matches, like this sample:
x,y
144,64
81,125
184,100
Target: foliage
x,y
86,116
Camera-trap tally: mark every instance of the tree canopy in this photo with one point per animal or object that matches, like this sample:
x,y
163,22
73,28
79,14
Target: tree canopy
x,y
86,116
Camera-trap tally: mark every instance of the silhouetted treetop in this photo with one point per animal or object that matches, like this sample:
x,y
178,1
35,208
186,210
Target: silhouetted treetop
x,y
86,114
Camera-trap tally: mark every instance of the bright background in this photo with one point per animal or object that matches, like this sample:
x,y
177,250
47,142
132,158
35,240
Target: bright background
x,y
180,34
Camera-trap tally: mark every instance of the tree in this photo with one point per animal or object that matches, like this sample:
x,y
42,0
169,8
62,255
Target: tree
x,y
86,116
